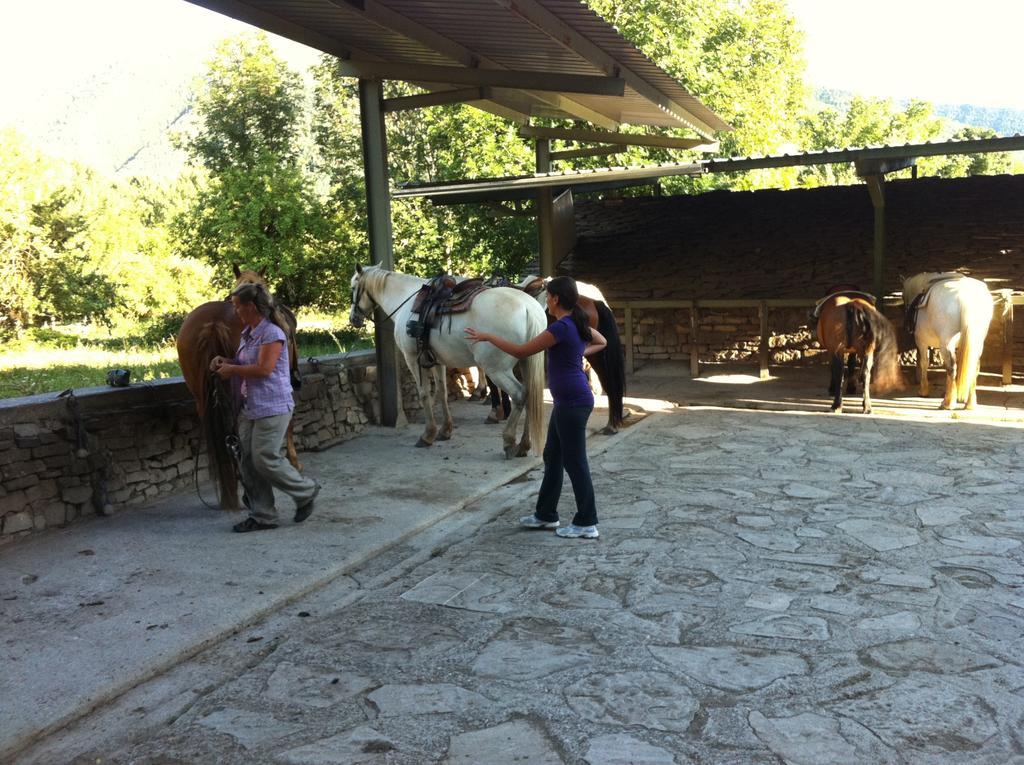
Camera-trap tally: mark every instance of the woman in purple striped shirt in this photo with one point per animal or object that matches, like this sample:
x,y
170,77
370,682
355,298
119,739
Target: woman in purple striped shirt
x,y
263,422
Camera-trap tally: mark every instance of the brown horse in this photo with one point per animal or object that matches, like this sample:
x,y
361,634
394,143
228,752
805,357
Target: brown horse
x,y
211,330
609,363
848,323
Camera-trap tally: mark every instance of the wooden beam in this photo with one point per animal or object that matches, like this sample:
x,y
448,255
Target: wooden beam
x,y
762,348
437,98
540,17
865,167
628,331
876,188
619,139
499,78
387,19
694,350
597,151
1004,306
559,105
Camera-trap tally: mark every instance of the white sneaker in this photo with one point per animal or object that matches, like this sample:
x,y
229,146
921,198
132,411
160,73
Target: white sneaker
x,y
572,531
533,522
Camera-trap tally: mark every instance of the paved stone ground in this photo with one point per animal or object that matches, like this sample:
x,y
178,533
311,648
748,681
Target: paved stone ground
x,y
768,587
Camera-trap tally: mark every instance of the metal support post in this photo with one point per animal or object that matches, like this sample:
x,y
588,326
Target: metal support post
x,y
378,206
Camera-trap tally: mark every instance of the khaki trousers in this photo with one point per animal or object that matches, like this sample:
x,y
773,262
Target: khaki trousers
x,y
264,468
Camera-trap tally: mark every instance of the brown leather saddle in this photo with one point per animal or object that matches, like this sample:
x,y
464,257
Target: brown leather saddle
x,y
440,297
910,318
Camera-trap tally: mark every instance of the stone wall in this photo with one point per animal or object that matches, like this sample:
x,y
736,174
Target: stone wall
x,y
790,244
102,450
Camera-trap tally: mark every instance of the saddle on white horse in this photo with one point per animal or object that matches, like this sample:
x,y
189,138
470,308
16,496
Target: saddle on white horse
x,y
441,296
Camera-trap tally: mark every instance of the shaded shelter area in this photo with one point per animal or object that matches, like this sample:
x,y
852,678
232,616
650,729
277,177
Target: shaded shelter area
x,y
529,59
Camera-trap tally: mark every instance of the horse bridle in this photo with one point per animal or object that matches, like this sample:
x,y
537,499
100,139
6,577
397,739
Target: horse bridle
x,y
360,290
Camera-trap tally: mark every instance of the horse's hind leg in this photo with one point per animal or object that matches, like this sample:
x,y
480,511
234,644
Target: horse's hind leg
x,y
423,377
869,362
851,373
922,371
838,369
448,425
949,362
507,381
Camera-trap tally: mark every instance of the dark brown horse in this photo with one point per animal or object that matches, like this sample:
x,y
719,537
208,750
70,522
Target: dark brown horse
x,y
609,363
849,324
211,330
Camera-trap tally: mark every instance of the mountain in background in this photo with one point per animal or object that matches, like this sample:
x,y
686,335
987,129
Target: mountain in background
x,y
122,120
1006,122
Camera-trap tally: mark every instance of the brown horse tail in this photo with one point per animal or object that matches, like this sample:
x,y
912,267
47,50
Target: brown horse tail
x,y
610,363
284,317
886,374
218,414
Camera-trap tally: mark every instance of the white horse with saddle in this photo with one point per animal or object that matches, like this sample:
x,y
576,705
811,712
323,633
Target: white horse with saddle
x,y
949,311
501,310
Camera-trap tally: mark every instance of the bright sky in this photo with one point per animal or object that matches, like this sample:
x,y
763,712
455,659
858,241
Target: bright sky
x,y
939,50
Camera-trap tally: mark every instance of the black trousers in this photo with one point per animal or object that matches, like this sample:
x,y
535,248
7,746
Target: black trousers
x,y
499,398
566,449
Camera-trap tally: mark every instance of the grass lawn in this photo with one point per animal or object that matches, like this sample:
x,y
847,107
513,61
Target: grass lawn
x,y
51,360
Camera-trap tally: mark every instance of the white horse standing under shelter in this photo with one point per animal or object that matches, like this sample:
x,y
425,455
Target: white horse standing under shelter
x,y
951,312
500,310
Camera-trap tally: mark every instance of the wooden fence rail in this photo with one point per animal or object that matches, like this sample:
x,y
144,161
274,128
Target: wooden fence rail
x,y
1004,303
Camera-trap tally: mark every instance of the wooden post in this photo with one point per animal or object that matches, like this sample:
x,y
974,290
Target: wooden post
x,y
876,188
1006,313
694,350
545,212
628,337
762,350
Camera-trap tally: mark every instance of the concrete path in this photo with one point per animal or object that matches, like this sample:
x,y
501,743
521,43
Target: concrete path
x,y
768,587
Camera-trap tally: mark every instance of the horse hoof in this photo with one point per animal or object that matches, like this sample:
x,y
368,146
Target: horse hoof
x,y
836,410
510,452
609,430
445,437
865,411
422,443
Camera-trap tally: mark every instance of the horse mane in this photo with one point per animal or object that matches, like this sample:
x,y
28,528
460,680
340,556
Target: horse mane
x,y
375,277
281,315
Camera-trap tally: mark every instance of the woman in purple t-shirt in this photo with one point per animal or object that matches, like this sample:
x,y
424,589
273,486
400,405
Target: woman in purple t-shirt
x,y
567,340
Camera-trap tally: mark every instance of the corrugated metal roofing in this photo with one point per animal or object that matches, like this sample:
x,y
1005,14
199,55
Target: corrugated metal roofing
x,y
544,36
520,187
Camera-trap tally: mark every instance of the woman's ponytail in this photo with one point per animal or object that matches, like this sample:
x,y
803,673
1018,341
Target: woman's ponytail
x,y
564,288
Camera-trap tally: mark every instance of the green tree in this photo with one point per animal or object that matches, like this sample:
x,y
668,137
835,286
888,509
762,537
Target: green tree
x,y
255,205
442,143
961,165
742,58
865,122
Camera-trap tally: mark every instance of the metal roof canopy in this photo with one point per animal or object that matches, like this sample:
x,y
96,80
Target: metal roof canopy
x,y
872,164
522,187
515,58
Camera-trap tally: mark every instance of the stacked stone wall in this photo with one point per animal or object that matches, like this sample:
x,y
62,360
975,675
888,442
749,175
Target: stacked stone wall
x,y
103,450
